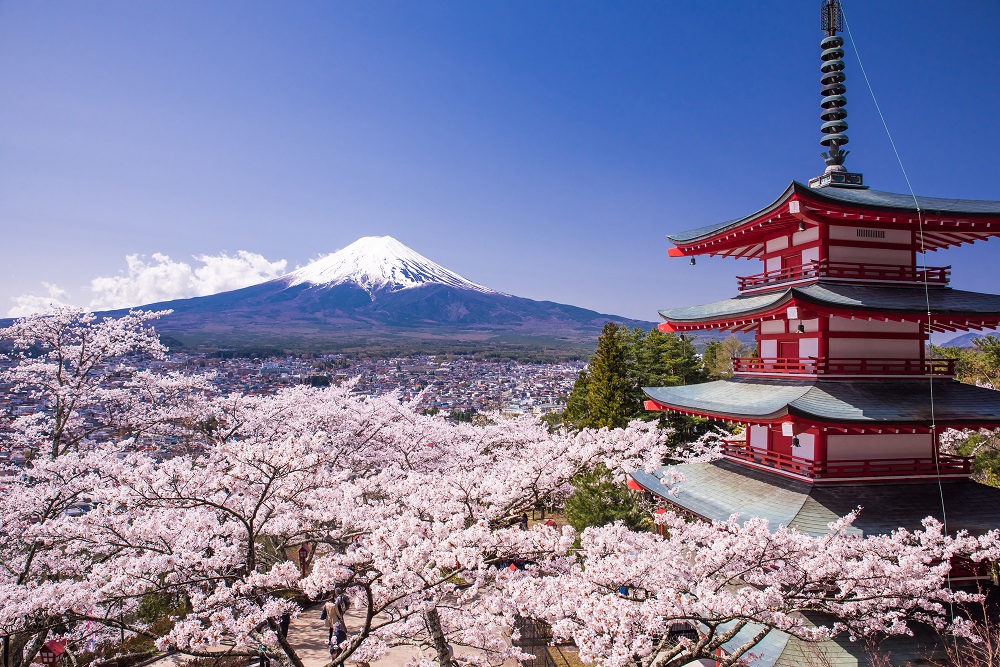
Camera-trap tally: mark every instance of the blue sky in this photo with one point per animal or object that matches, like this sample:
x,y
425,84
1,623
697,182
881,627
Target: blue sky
x,y
542,149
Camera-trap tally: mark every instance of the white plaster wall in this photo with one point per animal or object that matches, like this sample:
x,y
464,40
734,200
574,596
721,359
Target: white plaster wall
x,y
879,446
811,234
808,347
878,256
847,324
779,243
806,448
768,349
758,437
842,233
772,327
874,348
810,326
810,255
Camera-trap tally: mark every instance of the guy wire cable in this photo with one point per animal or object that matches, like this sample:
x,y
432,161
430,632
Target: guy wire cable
x,y
927,295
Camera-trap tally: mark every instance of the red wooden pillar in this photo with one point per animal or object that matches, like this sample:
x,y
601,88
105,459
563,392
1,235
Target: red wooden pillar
x,y
819,448
823,340
660,527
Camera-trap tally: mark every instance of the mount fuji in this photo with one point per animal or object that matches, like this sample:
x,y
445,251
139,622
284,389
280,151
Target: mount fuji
x,y
378,293
377,263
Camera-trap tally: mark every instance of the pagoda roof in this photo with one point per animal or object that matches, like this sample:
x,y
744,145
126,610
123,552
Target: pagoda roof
x,y
860,404
947,222
779,649
721,488
952,309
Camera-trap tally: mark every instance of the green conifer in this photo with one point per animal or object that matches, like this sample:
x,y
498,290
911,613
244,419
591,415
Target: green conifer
x,y
611,399
598,499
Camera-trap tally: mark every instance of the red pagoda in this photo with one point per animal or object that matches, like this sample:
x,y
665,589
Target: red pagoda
x,y
842,404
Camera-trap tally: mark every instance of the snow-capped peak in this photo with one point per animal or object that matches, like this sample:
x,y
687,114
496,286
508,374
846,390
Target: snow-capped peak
x,y
377,263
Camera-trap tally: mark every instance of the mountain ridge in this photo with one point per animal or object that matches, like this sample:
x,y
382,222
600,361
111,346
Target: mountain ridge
x,y
377,291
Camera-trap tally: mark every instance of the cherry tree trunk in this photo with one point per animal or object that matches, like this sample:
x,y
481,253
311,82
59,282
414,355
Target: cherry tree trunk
x,y
433,621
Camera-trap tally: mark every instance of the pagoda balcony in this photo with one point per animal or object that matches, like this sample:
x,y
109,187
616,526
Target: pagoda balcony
x,y
846,271
945,466
813,367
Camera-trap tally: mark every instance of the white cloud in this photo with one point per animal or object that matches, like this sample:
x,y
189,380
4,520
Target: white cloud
x,y
29,304
163,279
160,278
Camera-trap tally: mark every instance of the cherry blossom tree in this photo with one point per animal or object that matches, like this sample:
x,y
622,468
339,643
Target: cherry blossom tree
x,y
74,365
407,512
715,590
79,370
373,485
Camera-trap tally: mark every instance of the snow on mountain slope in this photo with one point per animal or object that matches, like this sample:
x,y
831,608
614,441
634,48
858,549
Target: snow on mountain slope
x,y
377,263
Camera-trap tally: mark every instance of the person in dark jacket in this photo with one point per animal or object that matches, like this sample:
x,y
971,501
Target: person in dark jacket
x,y
339,636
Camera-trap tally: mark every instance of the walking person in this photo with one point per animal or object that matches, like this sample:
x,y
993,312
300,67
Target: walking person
x,y
331,616
333,611
338,635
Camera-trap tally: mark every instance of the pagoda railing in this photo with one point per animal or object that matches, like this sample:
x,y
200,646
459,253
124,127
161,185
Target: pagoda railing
x,y
945,465
935,275
845,367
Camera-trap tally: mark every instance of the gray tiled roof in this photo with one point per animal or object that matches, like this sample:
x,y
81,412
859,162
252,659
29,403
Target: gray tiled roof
x,y
719,489
889,299
737,397
866,402
779,649
741,305
902,202
722,488
709,230
943,300
869,198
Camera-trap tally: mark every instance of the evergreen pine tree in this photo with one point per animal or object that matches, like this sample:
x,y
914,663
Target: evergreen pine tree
x,y
611,397
576,405
598,500
610,394
667,360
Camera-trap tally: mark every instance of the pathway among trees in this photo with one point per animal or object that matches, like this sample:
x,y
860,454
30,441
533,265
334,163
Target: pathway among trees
x,y
308,635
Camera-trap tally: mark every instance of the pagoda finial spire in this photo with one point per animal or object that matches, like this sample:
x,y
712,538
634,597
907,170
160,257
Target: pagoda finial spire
x,y
834,103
